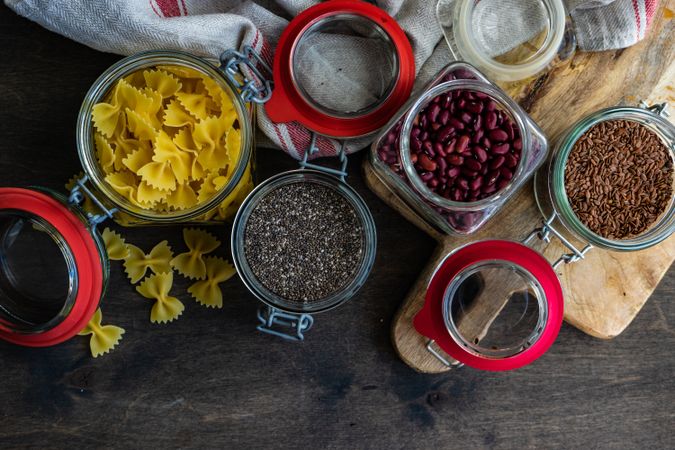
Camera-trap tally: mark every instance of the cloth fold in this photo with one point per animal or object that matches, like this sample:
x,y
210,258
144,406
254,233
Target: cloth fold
x,y
208,27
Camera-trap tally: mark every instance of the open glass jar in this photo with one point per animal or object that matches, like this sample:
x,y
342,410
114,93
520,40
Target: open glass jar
x,y
551,193
53,263
342,68
198,203
492,305
487,173
508,41
53,267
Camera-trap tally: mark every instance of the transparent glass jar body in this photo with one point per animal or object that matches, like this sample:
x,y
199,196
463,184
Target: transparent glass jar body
x,y
390,155
39,298
550,182
369,244
508,42
129,214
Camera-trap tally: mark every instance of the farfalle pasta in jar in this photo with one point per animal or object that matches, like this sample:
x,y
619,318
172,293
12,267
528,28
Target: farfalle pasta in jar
x,y
163,137
167,137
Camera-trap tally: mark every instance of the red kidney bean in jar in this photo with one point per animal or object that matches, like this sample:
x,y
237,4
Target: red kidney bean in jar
x,y
459,150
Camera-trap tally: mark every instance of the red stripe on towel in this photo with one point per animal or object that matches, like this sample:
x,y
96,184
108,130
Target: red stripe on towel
x,y
650,10
152,5
169,8
636,10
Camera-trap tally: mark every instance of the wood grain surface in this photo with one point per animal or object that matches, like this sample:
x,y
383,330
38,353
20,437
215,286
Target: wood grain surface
x,y
605,292
209,380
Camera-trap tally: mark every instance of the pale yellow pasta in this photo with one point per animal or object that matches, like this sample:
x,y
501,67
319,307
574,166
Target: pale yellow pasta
x,y
157,287
167,139
124,183
183,197
140,126
209,135
179,161
207,292
162,82
103,337
149,196
137,263
138,158
114,245
104,153
176,116
191,263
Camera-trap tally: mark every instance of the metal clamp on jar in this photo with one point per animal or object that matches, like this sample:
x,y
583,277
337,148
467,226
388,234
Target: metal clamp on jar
x,y
498,305
53,264
334,47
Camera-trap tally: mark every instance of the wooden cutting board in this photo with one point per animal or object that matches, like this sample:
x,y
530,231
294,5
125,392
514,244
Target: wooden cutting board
x,y
604,292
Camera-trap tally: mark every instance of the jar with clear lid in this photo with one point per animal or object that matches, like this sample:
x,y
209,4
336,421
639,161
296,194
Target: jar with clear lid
x,y
53,264
508,41
457,186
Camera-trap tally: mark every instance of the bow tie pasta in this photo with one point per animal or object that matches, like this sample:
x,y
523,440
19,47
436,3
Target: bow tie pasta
x,y
168,138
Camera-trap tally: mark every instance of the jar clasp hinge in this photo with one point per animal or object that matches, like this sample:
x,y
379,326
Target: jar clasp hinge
x,y
544,233
342,156
257,90
271,319
451,363
658,109
77,196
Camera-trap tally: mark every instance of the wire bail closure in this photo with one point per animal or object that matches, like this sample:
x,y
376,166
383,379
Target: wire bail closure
x,y
544,233
271,317
341,173
77,196
233,64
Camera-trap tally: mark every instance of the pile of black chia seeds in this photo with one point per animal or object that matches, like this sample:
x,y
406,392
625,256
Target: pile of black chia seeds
x,y
304,241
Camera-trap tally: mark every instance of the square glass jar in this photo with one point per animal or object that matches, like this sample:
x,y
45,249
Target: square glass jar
x,y
391,159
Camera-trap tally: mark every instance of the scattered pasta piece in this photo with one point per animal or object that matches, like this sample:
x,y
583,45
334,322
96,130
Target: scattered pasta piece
x,y
157,287
164,134
137,263
103,337
191,264
207,292
114,244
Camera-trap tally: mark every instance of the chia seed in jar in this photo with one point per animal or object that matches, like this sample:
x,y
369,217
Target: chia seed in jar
x,y
304,242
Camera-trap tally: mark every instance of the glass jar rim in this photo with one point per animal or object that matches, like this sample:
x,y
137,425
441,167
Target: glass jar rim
x,y
558,193
133,63
338,186
380,32
474,347
513,72
495,94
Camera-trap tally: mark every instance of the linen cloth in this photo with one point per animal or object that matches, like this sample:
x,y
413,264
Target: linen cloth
x,y
208,27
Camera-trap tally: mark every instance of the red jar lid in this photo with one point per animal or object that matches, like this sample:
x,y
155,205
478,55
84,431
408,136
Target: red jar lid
x,y
479,283
288,103
89,266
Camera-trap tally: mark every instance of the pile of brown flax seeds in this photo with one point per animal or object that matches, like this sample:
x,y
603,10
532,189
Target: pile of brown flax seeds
x,y
619,178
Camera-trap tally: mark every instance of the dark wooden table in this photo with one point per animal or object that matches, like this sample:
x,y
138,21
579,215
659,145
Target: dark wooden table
x,y
210,380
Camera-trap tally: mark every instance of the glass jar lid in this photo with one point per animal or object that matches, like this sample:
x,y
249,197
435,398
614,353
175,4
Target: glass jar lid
x,y
508,40
342,68
52,269
493,305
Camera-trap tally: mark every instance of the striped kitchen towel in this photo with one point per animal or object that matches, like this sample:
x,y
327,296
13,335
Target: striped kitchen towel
x,y
207,27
